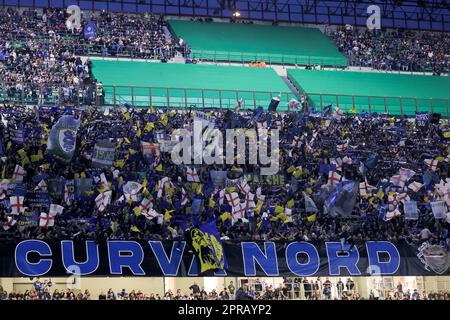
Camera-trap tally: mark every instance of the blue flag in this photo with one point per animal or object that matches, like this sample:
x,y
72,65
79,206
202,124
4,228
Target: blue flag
x,y
257,114
89,30
382,212
327,111
342,199
197,206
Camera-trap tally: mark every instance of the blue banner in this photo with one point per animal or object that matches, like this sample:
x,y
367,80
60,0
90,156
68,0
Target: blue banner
x,y
63,138
249,259
89,30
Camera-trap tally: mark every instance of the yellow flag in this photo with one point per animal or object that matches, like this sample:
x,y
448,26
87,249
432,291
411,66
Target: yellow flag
x,y
290,203
290,169
138,133
4,171
440,159
8,145
279,216
231,189
83,175
164,119
132,151
145,182
167,215
145,192
126,115
120,163
149,126
380,194
22,153
159,167
212,203
45,166
137,211
297,174
25,161
258,206
127,140
311,218
308,190
135,229
447,134
279,209
225,216
35,158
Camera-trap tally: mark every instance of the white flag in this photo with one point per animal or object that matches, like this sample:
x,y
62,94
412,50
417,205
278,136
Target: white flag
x,y
55,209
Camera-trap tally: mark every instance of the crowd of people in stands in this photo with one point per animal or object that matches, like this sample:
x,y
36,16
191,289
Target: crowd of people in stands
x,y
399,50
137,36
380,161
313,290
40,58
35,59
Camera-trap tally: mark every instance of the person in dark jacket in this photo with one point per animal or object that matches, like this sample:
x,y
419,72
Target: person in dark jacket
x,y
241,295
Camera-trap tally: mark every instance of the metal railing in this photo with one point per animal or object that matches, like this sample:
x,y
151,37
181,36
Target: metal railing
x,y
280,59
184,98
380,104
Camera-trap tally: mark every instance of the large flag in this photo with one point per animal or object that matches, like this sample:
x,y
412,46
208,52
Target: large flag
x,y
342,199
310,206
89,30
103,154
63,138
209,250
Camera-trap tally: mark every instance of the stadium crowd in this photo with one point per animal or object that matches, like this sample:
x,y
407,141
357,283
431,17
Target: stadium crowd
x,y
399,50
44,291
40,59
341,177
